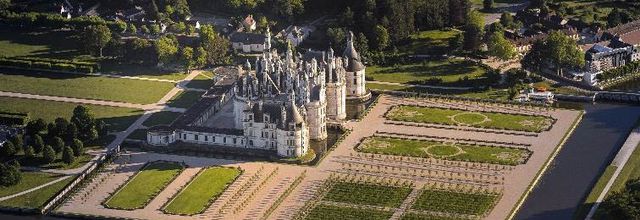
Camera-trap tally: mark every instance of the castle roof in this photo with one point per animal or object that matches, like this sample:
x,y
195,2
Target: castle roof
x,y
248,38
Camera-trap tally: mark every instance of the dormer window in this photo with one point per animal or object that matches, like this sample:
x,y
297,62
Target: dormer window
x,y
266,118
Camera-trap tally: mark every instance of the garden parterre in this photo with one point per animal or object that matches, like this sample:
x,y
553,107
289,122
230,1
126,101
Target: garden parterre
x,y
144,186
468,203
367,194
493,120
330,212
442,150
203,190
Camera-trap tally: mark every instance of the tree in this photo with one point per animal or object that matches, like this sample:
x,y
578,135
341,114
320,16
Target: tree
x,y
381,39
166,49
71,133
48,154
287,8
362,44
337,36
622,205
131,28
68,156
121,26
96,37
216,46
145,29
200,57
563,51
36,126
473,31
4,4
500,47
538,4
58,144
38,143
29,152
10,174
78,147
487,5
84,119
18,142
7,150
617,17
186,55
456,42
154,29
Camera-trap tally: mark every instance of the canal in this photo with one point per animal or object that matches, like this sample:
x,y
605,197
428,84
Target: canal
x,y
583,158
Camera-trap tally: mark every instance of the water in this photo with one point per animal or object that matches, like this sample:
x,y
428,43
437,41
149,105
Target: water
x,y
355,109
583,158
630,86
324,146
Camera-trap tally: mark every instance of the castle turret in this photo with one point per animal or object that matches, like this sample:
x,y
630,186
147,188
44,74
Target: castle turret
x,y
355,77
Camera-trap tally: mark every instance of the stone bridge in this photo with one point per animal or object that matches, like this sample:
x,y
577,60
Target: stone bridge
x,y
624,97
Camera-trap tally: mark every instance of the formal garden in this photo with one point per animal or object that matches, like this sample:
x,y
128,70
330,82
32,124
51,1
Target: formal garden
x,y
350,197
202,191
469,202
444,150
143,186
451,116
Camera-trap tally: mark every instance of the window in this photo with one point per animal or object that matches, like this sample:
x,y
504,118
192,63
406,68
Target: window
x,y
250,142
184,137
224,140
355,81
196,137
213,138
206,138
234,141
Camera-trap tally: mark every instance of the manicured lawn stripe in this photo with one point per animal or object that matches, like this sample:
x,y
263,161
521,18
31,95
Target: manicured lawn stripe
x,y
147,183
118,119
200,82
88,87
436,149
367,194
37,199
202,191
450,71
493,120
455,202
29,180
329,212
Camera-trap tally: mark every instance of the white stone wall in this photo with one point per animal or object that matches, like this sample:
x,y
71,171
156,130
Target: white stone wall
x,y
293,143
316,119
238,111
356,84
161,138
336,101
210,138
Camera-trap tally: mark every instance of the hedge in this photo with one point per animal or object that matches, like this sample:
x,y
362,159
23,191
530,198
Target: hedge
x,y
13,119
50,64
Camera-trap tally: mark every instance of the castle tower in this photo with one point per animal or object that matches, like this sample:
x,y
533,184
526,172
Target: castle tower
x,y
355,77
336,90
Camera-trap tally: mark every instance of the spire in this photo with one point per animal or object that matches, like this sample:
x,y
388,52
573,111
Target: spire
x,y
247,65
350,50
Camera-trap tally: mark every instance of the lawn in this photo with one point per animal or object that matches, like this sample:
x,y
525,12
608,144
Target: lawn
x,y
202,191
493,94
330,212
185,99
161,118
57,164
455,202
630,171
493,120
29,180
367,194
118,119
428,42
447,72
201,82
144,186
142,71
78,86
60,44
38,198
441,150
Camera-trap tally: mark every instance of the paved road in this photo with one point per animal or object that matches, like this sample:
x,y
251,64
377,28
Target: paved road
x,y
578,165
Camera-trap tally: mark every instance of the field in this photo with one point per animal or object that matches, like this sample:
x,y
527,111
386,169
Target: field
x,y
185,99
49,44
37,199
29,180
201,82
118,119
435,72
592,11
57,164
140,71
529,123
455,202
330,212
161,118
441,150
367,194
90,87
493,94
144,186
428,42
202,191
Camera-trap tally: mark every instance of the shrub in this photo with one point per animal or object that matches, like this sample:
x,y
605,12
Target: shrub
x,y
48,154
68,156
41,65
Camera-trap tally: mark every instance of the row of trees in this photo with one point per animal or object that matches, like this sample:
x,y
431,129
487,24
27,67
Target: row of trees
x,y
558,50
622,205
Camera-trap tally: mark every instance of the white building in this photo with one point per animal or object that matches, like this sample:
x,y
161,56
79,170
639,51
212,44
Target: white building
x,y
278,106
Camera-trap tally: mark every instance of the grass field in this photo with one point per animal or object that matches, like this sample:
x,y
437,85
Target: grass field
x,y
38,198
455,202
428,42
202,191
185,99
493,94
447,70
367,194
59,44
435,149
144,186
492,120
57,164
29,180
630,171
140,71
201,82
78,86
118,119
584,208
329,212
161,118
